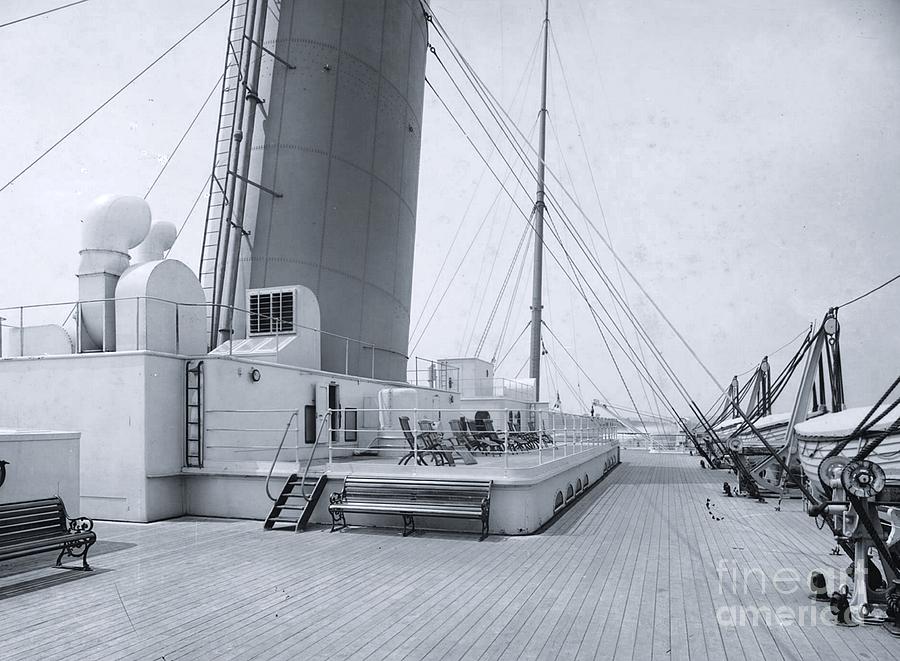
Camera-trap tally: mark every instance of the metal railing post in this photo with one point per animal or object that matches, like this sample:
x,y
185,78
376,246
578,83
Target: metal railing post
x,y
373,361
2,319
415,426
506,439
330,438
553,433
177,331
346,356
297,442
21,331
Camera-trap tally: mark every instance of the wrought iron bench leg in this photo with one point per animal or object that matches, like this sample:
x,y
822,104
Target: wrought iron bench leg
x,y
67,549
337,516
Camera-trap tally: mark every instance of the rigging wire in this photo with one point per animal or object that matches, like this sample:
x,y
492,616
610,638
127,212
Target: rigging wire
x,y
110,99
184,135
502,123
482,86
871,291
43,13
513,297
667,368
523,83
503,286
513,345
504,188
459,264
193,206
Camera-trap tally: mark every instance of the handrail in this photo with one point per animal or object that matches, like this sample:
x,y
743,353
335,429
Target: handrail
x,y
234,308
295,414
312,452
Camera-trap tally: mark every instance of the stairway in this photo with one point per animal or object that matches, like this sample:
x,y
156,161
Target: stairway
x,y
291,509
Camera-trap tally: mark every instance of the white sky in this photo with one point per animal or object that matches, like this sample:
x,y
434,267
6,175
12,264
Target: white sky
x,y
745,154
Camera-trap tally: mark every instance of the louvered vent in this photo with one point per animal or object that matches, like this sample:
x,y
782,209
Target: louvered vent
x,y
271,311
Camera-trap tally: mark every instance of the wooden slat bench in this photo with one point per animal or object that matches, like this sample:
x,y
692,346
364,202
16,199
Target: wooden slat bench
x,y
410,497
36,526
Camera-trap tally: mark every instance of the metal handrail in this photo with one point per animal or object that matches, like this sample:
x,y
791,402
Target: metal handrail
x,y
312,452
295,414
34,306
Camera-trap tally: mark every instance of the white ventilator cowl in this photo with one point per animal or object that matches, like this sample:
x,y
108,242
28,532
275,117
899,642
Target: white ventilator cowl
x,y
153,248
113,225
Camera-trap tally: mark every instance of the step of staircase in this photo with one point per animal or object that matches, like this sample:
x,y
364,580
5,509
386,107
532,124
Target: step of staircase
x,y
295,514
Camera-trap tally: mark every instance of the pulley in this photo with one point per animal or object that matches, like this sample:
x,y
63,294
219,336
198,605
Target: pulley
x,y
863,479
831,468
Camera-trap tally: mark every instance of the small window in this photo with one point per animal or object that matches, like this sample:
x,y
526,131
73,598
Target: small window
x,y
558,502
309,420
578,486
570,493
350,430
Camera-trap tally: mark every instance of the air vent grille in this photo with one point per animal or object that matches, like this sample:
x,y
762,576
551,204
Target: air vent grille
x,y
271,312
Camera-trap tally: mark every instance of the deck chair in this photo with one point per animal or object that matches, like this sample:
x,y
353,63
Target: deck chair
x,y
544,437
475,432
434,435
464,437
523,438
411,440
489,433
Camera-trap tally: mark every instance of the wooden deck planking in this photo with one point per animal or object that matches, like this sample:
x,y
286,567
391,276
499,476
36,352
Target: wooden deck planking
x,y
628,572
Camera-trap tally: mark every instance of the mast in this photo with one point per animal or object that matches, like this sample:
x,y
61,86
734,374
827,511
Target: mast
x,y
536,303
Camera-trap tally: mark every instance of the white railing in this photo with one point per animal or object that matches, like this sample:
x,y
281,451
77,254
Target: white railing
x,y
497,387
504,438
433,374
21,328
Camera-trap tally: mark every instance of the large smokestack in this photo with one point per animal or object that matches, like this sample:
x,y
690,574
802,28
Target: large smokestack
x,y
342,144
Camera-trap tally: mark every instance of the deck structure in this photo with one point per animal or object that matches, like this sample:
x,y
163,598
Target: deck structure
x,y
652,563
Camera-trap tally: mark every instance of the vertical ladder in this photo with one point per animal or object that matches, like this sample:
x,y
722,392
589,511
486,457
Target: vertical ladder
x,y
232,97
193,418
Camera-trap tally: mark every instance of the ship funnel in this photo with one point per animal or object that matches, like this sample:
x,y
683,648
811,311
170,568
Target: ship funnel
x,y
114,224
153,248
341,153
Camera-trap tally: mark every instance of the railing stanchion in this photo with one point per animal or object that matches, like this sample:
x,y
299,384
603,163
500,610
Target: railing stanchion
x,y
2,319
415,426
21,331
506,439
373,361
177,331
297,442
330,417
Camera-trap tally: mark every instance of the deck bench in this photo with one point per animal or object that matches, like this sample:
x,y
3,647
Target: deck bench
x,y
411,497
36,526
